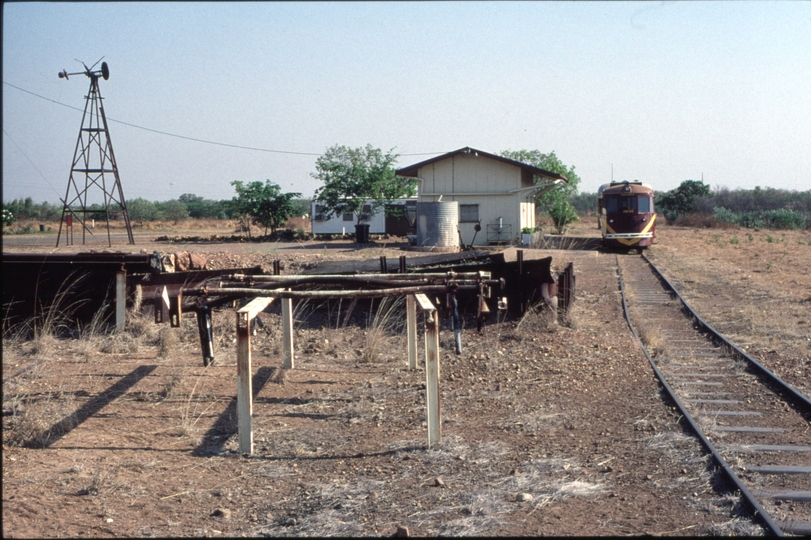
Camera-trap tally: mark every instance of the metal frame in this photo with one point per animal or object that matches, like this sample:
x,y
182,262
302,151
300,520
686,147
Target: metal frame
x,y
93,158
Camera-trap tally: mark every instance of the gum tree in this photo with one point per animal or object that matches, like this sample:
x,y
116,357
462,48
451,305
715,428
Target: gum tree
x,y
555,201
353,176
681,201
264,204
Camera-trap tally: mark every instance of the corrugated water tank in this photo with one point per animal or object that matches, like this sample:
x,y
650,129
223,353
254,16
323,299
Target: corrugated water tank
x,y
437,224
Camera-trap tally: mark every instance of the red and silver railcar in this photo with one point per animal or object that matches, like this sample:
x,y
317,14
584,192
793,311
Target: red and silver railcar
x,y
626,215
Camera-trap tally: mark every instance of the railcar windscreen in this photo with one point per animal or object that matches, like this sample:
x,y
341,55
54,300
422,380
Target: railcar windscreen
x,y
618,204
644,204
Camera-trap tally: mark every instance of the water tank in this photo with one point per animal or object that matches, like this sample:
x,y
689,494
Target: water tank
x,y
437,225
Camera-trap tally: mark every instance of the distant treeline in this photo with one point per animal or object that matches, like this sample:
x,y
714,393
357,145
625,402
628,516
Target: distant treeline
x,y
139,210
759,207
753,208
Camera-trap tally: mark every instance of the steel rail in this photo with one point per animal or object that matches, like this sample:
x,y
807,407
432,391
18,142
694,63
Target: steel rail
x,y
750,499
784,386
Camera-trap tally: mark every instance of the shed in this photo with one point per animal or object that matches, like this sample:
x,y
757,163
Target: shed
x,y
496,192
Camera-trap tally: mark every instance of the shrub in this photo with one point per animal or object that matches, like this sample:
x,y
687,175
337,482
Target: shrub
x,y
764,219
562,214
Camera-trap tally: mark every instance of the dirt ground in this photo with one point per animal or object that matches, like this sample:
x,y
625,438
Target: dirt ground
x,y
547,429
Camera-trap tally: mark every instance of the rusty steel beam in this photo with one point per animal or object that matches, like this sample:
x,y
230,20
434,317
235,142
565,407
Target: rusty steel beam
x,y
343,278
378,293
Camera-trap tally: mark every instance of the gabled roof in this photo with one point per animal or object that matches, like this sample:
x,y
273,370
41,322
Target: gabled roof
x,y
412,170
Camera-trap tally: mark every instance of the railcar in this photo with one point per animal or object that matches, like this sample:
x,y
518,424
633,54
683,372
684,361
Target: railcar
x,y
626,216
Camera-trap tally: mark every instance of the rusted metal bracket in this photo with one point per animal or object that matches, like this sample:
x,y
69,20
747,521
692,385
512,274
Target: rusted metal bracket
x,y
206,330
162,306
176,309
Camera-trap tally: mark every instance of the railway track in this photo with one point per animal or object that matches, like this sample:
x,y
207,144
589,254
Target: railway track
x,y
757,427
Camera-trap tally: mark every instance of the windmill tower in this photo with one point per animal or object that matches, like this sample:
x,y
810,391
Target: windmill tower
x,y
94,169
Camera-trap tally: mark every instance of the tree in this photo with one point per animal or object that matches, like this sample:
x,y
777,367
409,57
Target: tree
x,y
553,201
200,208
141,210
681,201
562,214
353,176
264,204
8,217
548,162
173,210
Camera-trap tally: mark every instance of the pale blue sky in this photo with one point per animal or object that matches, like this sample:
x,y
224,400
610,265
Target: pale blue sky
x,y
666,91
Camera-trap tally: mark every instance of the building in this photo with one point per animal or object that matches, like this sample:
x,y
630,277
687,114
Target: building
x,y
494,192
394,219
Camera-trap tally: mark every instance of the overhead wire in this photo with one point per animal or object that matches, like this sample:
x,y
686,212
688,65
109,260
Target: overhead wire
x,y
31,162
195,139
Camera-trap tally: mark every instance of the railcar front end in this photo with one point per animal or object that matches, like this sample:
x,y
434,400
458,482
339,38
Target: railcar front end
x,y
627,218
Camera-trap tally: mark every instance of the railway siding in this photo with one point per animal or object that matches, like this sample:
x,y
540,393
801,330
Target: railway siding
x,y
756,424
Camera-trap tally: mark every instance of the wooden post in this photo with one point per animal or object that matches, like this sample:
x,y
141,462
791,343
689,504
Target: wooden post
x,y
287,333
120,299
244,385
244,390
432,378
411,323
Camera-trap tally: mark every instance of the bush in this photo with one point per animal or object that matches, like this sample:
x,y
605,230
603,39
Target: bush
x,y
562,214
763,219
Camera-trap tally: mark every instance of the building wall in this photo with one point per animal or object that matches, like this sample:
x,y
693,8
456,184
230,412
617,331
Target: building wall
x,y
469,173
493,179
337,225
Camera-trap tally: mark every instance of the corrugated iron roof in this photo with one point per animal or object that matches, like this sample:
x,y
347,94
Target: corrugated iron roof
x,y
412,170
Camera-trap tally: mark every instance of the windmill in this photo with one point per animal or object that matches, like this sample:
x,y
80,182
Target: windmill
x,y
93,166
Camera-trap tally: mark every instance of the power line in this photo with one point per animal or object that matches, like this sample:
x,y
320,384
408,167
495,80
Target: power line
x,y
216,143
31,162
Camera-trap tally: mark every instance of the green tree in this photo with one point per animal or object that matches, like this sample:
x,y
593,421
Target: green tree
x,y
554,200
200,208
265,204
141,210
681,201
8,217
353,176
173,210
562,214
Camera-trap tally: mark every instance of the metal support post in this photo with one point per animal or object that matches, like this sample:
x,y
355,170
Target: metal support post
x,y
287,333
432,378
411,323
244,389
120,299
206,331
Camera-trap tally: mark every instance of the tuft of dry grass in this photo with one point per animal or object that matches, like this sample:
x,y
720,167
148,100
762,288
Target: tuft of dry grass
x,y
387,320
279,375
35,421
168,342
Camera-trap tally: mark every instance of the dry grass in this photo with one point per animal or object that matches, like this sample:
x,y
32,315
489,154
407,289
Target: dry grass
x,y
36,418
388,319
168,342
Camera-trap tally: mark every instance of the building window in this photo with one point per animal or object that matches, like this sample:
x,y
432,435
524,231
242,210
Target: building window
x,y
468,213
367,209
349,216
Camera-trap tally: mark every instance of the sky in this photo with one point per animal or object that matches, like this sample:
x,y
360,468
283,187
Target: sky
x,y
655,91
